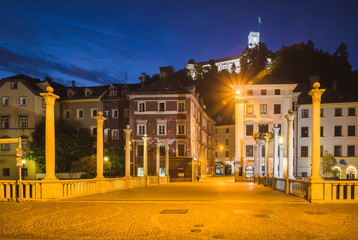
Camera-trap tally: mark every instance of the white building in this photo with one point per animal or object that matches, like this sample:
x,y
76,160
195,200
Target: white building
x,y
338,132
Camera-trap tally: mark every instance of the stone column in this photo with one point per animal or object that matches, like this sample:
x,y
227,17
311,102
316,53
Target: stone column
x,y
50,99
267,139
100,120
260,157
275,151
281,161
239,131
242,157
145,155
256,159
133,158
167,161
128,131
316,94
157,171
290,117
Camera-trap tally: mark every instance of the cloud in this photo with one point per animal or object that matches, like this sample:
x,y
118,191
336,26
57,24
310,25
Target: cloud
x,y
36,67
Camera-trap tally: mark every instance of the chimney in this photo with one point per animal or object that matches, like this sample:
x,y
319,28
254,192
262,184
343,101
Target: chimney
x,y
142,79
73,84
334,85
313,79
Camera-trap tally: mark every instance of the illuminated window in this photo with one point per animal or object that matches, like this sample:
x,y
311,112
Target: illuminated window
x,y
249,109
304,113
263,108
181,106
115,134
181,128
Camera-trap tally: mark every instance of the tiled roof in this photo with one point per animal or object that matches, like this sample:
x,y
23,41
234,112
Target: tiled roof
x,y
162,86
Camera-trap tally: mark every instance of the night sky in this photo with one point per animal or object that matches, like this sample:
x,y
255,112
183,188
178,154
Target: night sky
x,y
98,42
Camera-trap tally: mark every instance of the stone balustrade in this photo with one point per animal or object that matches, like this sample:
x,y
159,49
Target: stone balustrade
x,y
37,190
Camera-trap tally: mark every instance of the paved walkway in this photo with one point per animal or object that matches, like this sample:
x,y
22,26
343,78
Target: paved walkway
x,y
216,208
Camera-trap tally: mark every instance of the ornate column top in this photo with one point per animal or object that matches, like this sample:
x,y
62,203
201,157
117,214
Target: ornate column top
x,y
290,116
100,117
145,138
316,93
276,129
50,97
127,130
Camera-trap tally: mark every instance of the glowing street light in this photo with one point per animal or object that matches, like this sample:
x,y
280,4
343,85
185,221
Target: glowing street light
x,y
106,158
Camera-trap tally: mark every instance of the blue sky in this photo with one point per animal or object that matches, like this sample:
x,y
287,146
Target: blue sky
x,y
97,42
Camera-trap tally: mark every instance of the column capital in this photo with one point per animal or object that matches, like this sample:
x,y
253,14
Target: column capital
x,y
316,93
127,130
290,116
167,147
49,97
255,147
145,138
276,130
157,143
100,117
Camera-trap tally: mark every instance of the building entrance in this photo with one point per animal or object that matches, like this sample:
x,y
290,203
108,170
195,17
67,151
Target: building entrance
x,y
249,172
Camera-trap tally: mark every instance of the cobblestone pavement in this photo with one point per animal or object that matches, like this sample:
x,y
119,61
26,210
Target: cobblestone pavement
x,y
254,212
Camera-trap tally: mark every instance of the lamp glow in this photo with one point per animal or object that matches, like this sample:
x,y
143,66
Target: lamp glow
x,y
23,161
281,140
238,92
105,158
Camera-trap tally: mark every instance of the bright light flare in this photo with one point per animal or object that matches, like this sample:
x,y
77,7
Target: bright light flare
x,y
105,158
281,140
238,92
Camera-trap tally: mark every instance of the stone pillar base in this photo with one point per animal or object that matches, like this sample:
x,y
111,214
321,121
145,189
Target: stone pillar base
x,y
129,182
51,190
316,191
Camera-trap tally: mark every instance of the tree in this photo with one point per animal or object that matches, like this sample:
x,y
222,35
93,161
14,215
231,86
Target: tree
x,y
327,163
117,159
71,145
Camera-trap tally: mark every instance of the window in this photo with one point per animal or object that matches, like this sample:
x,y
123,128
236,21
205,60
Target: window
x,y
227,154
351,130
161,129
338,112
321,112
351,151
216,131
337,131
263,128
94,130
227,142
13,85
24,172
112,92
338,151
304,113
6,172
216,142
304,174
87,93
216,154
67,114
263,151
162,150
321,151
126,113
277,92
22,121
263,91
80,113
249,92
141,129
249,109
277,108
181,106
22,101
6,147
161,106
351,111
263,108
321,133
227,130
181,128
249,151
5,101
304,131
181,149
24,142
304,151
115,134
114,113
5,122
94,112
249,130
141,106
106,114
140,150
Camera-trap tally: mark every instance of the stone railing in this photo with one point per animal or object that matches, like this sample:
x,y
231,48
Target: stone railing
x,y
316,191
40,190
